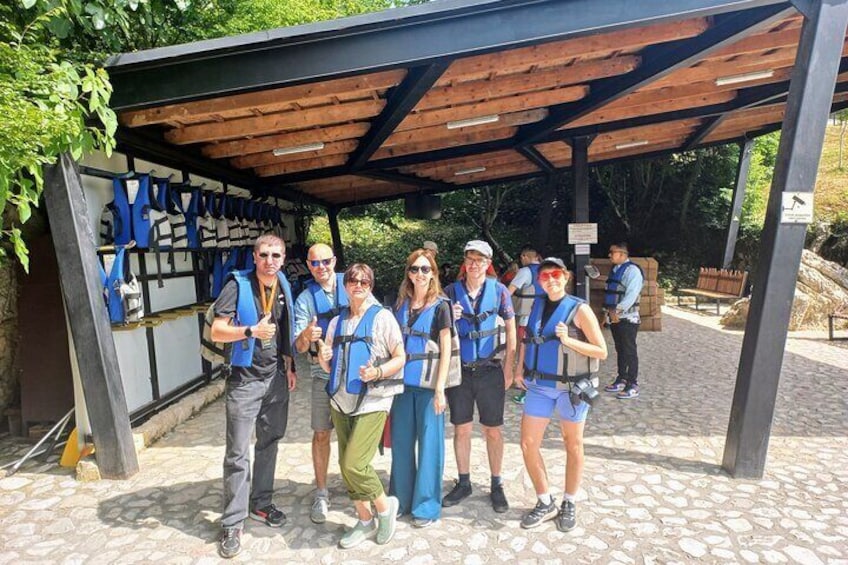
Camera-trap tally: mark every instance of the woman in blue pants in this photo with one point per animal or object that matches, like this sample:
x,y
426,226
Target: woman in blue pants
x,y
426,321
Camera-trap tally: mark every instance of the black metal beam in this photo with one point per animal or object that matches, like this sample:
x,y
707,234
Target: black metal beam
x,y
535,156
90,330
580,172
709,126
402,100
658,61
336,235
745,150
403,37
807,110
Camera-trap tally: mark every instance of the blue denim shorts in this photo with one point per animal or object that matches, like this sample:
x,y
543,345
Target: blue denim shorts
x,y
541,401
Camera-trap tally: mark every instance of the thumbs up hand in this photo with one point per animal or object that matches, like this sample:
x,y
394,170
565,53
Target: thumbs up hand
x,y
325,352
369,372
265,329
313,331
457,311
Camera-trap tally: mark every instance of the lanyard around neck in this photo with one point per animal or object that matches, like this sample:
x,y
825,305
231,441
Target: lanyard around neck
x,y
266,301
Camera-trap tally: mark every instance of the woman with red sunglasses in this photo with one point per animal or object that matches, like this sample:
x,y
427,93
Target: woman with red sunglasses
x,y
556,362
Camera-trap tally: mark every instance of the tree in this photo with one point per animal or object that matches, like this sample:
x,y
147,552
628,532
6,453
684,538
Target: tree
x,y
842,119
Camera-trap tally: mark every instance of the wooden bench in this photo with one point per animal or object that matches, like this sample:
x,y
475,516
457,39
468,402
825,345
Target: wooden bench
x,y
716,285
830,319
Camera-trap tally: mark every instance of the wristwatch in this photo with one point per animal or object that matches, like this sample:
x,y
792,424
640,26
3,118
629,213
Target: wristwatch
x,y
248,332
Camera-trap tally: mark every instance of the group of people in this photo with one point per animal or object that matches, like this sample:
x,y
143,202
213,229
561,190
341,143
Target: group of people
x,y
439,348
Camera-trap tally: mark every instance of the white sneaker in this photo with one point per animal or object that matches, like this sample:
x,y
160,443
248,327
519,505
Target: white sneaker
x,y
320,508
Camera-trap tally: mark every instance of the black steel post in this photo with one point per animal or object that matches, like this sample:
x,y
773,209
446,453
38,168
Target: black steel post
x,y
580,170
738,198
333,218
807,108
92,335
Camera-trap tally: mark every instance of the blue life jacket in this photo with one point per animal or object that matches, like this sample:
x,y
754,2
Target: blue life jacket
x,y
121,227
248,261
217,274
422,353
546,361
615,290
112,287
141,207
192,213
351,351
523,298
207,232
241,354
480,335
324,309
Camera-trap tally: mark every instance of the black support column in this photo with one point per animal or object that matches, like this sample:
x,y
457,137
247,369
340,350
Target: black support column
x,y
580,170
738,198
333,218
807,108
92,335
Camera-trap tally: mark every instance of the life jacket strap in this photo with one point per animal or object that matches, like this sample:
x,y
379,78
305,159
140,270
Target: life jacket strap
x,y
346,339
552,377
478,318
482,333
407,331
538,340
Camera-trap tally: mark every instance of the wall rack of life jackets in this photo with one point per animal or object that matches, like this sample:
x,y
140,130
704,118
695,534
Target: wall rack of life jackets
x,y
154,232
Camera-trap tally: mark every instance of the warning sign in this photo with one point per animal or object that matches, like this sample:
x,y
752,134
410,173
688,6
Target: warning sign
x,y
582,233
796,208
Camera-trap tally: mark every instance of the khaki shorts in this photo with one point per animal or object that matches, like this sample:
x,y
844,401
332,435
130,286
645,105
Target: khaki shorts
x,y
320,401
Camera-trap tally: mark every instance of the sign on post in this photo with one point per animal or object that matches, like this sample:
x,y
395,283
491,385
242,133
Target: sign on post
x,y
796,208
582,233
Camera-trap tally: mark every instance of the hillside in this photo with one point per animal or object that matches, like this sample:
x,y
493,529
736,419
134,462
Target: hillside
x,y
832,183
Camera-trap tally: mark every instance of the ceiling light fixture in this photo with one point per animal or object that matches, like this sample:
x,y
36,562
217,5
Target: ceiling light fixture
x,y
630,144
482,120
469,171
747,77
280,151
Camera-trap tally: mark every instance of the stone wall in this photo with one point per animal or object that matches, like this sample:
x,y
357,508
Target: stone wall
x,y
8,333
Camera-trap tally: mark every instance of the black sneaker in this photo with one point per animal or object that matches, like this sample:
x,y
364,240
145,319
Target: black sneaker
x,y
541,513
499,503
271,515
229,545
567,517
459,493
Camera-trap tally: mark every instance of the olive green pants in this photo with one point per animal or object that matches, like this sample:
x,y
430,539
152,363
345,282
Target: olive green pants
x,y
358,438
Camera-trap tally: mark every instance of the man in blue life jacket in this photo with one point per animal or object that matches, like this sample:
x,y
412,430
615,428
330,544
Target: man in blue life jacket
x,y
524,289
621,303
253,314
320,302
485,323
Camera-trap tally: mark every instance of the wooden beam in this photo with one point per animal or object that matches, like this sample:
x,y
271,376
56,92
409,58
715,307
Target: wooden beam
x,y
301,165
537,158
563,52
463,139
494,172
494,158
497,106
688,102
399,178
89,322
276,123
441,133
509,85
757,43
271,142
263,102
511,158
268,157
416,84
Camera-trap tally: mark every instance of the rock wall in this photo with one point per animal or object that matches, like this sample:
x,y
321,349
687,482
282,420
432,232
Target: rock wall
x,y
8,333
822,288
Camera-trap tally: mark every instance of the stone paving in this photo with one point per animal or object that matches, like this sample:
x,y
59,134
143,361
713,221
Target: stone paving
x,y
653,491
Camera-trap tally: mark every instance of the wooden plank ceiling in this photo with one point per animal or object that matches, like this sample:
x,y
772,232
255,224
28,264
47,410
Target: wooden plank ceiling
x,y
504,90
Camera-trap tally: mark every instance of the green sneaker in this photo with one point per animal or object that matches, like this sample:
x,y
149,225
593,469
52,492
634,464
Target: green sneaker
x,y
519,398
358,534
387,524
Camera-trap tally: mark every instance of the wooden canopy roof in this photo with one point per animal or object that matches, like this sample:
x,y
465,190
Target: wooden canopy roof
x,y
455,94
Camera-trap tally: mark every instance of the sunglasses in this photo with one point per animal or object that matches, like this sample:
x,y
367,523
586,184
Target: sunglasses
x,y
547,275
265,255
425,269
318,262
472,261
364,283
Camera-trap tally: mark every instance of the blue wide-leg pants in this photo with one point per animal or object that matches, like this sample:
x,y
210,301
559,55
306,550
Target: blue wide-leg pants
x,y
417,484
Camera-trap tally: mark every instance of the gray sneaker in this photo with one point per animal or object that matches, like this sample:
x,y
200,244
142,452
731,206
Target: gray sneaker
x,y
357,534
320,508
387,524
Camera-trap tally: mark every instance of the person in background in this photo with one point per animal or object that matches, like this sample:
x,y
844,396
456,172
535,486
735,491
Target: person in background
x,y
446,274
621,304
364,356
558,323
431,246
487,351
418,415
250,310
509,273
322,299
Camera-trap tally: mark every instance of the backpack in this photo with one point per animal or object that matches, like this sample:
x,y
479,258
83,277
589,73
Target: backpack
x,y
213,351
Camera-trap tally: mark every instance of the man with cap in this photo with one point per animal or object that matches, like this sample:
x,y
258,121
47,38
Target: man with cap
x,y
485,323
431,245
557,358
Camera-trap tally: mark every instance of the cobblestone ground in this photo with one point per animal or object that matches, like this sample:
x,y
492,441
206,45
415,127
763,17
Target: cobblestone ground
x,y
653,490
